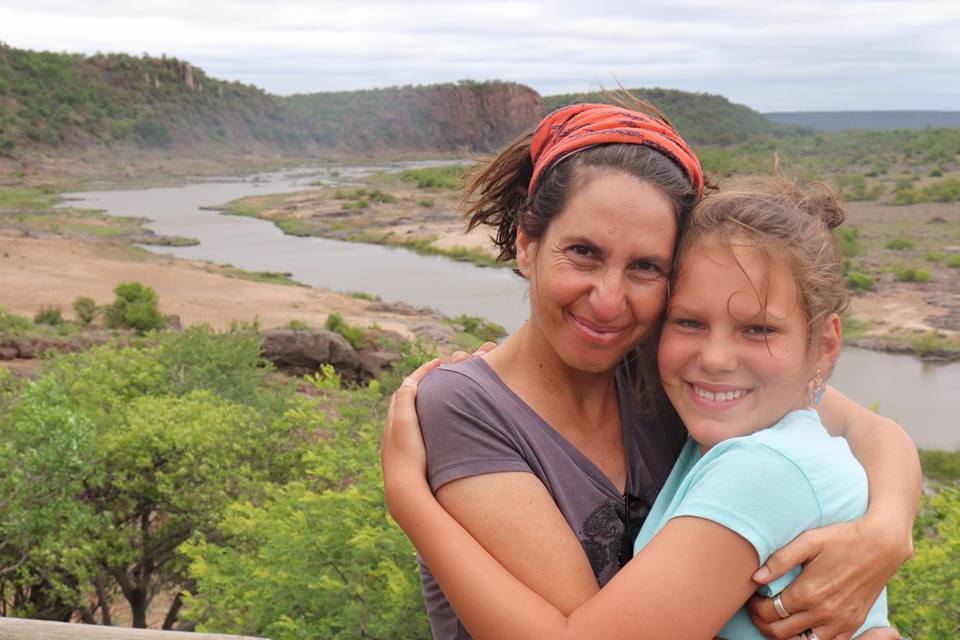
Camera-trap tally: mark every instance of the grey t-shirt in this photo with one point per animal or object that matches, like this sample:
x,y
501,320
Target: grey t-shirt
x,y
473,424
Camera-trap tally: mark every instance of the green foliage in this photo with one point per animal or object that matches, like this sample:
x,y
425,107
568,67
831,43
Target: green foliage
x,y
110,439
356,336
953,262
363,295
860,282
849,239
911,274
13,324
930,342
135,307
318,557
934,256
426,203
900,244
483,330
924,597
445,177
942,466
85,309
947,190
298,325
48,315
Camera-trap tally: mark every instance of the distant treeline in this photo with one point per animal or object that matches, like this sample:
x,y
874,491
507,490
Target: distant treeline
x,y
875,120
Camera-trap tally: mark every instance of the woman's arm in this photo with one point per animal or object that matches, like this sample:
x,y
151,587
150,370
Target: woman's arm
x,y
513,516
847,565
685,584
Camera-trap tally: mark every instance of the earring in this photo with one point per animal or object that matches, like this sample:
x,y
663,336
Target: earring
x,y
817,387
524,269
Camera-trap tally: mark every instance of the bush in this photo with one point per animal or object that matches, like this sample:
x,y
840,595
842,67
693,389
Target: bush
x,y
934,256
426,203
901,244
924,598
298,325
448,177
48,315
859,282
85,308
911,274
953,261
135,307
849,239
356,336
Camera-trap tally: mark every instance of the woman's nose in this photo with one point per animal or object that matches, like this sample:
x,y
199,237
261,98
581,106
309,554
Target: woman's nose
x,y
608,298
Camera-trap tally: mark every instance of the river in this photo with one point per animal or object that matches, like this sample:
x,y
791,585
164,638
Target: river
x,y
923,397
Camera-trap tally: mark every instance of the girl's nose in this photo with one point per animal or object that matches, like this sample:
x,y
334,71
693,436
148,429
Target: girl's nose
x,y
717,355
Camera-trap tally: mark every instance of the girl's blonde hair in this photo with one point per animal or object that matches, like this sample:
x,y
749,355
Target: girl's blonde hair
x,y
782,220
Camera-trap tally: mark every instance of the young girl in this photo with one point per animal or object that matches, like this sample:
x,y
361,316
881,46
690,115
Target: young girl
x,y
752,332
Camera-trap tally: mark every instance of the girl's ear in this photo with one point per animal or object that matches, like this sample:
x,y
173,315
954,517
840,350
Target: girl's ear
x,y
828,343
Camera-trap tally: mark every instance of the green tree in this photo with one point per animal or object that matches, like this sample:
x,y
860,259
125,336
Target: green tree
x,y
135,307
85,308
925,595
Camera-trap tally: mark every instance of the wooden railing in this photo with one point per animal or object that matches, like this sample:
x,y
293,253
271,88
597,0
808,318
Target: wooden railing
x,y
24,629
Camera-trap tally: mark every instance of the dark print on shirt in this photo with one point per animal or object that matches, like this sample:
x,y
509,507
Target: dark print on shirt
x,y
600,536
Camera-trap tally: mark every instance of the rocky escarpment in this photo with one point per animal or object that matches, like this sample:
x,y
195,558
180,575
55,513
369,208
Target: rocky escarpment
x,y
478,116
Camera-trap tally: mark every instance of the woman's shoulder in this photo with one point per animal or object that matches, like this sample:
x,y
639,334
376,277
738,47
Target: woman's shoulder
x,y
470,379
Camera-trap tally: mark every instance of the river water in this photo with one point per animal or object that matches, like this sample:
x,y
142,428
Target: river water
x,y
923,397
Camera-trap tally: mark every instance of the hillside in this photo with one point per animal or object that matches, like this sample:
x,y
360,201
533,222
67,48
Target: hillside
x,y
55,100
479,116
702,117
877,120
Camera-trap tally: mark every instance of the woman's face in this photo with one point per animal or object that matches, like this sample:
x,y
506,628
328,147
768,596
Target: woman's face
x,y
598,275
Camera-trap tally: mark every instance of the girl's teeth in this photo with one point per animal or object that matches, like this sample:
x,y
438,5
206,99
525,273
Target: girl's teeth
x,y
722,396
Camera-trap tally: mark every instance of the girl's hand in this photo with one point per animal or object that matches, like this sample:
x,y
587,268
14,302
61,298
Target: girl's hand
x,y
402,453
846,566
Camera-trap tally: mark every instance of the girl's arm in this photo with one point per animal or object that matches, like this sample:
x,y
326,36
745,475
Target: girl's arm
x,y
685,584
847,565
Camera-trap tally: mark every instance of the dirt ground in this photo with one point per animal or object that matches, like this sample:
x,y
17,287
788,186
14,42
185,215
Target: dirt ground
x,y
44,271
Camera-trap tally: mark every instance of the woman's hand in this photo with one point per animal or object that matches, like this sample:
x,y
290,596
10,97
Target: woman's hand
x,y
845,568
402,453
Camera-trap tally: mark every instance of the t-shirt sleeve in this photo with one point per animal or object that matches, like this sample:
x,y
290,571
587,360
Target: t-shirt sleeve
x,y
756,492
465,429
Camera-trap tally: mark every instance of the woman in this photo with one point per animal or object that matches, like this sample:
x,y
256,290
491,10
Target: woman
x,y
552,448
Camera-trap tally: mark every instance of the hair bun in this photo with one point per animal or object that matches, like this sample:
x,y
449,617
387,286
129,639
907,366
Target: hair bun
x,y
821,201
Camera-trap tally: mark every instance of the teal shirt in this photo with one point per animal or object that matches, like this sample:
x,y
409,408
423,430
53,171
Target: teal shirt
x,y
768,487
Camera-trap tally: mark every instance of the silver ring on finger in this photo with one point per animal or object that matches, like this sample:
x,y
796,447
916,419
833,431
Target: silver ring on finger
x,y
781,610
810,635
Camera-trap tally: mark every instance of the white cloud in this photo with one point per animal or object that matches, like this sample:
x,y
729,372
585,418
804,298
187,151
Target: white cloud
x,y
772,56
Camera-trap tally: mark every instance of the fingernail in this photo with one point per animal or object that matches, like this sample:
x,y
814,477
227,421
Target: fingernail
x,y
761,574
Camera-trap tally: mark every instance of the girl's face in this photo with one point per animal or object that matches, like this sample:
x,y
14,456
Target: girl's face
x,y
598,275
729,368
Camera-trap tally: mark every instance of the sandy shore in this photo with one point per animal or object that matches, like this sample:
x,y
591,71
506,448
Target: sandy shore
x,y
45,271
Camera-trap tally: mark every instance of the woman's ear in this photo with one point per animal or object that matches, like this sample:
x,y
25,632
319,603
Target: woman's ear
x,y
828,343
526,250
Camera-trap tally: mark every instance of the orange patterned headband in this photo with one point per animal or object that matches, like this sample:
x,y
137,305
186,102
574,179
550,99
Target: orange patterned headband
x,y
571,129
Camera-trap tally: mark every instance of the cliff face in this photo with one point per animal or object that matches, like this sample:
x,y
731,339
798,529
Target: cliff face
x,y
475,116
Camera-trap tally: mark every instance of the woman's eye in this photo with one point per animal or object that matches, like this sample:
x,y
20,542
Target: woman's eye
x,y
582,251
646,269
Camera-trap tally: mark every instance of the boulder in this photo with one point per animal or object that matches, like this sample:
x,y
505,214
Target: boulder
x,y
302,352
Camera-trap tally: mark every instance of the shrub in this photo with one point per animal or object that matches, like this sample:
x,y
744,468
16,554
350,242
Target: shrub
x,y
448,177
48,315
298,325
908,196
859,282
900,244
953,261
936,172
356,336
911,274
426,203
849,239
934,256
135,307
85,308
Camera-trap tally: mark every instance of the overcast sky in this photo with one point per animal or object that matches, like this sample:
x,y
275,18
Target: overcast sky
x,y
772,56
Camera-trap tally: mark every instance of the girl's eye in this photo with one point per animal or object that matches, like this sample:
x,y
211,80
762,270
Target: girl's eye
x,y
689,324
760,330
